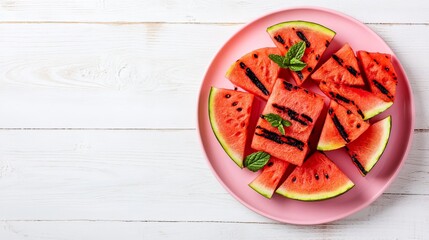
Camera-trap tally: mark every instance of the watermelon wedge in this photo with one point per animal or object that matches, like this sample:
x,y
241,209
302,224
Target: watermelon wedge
x,y
344,128
380,73
255,72
316,37
317,179
362,103
229,113
342,67
297,105
267,182
368,148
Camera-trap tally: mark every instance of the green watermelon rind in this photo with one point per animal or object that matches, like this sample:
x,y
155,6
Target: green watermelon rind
x,y
329,147
237,158
377,110
317,197
377,154
259,188
315,26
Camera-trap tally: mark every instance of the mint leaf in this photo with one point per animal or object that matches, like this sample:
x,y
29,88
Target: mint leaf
x,y
292,58
277,121
286,123
256,160
281,129
277,59
296,65
296,51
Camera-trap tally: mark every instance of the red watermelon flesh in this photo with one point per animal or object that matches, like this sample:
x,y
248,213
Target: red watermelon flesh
x,y
341,68
255,72
348,126
229,113
368,148
267,182
380,73
302,108
362,103
317,179
316,37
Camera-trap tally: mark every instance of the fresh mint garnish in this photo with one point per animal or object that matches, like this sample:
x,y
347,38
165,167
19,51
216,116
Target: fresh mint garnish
x,y
256,160
277,121
292,59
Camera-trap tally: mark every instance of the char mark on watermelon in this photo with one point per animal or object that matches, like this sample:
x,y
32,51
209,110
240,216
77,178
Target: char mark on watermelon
x,y
339,126
280,139
302,118
251,75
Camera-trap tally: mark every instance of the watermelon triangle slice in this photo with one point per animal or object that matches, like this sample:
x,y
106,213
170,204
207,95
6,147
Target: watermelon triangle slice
x,y
317,179
380,73
344,123
359,101
255,72
267,182
368,148
229,113
342,67
316,37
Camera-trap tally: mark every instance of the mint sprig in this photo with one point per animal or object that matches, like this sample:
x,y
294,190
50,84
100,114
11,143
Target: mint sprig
x,y
277,121
292,58
256,160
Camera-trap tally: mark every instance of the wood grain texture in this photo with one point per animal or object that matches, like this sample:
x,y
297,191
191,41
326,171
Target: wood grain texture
x,y
149,175
114,76
413,11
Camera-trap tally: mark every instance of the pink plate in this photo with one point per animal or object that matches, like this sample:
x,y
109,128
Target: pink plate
x,y
367,189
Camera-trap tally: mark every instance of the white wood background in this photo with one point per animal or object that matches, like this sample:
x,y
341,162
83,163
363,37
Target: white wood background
x,y
86,151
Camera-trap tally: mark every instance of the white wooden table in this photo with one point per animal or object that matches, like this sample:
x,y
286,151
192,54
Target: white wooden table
x,y
98,122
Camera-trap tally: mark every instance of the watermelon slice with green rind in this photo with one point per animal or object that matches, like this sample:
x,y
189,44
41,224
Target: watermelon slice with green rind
x,y
255,72
359,101
317,179
344,124
267,182
366,150
229,113
316,37
342,68
380,73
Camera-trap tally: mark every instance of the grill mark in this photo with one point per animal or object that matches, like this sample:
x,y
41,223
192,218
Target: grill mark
x,y
279,39
288,86
352,71
280,139
382,89
358,164
303,38
306,117
340,128
342,98
346,100
360,113
327,43
299,73
338,59
251,75
292,114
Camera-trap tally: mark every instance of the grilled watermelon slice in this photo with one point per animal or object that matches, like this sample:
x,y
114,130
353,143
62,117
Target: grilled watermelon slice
x,y
229,113
302,108
317,179
255,72
268,181
342,67
368,148
342,123
316,37
362,103
380,73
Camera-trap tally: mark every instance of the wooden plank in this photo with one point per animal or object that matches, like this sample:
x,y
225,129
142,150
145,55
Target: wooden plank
x,y
392,217
145,175
199,11
122,76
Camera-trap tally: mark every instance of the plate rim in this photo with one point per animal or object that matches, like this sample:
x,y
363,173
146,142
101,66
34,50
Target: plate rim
x,y
374,196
